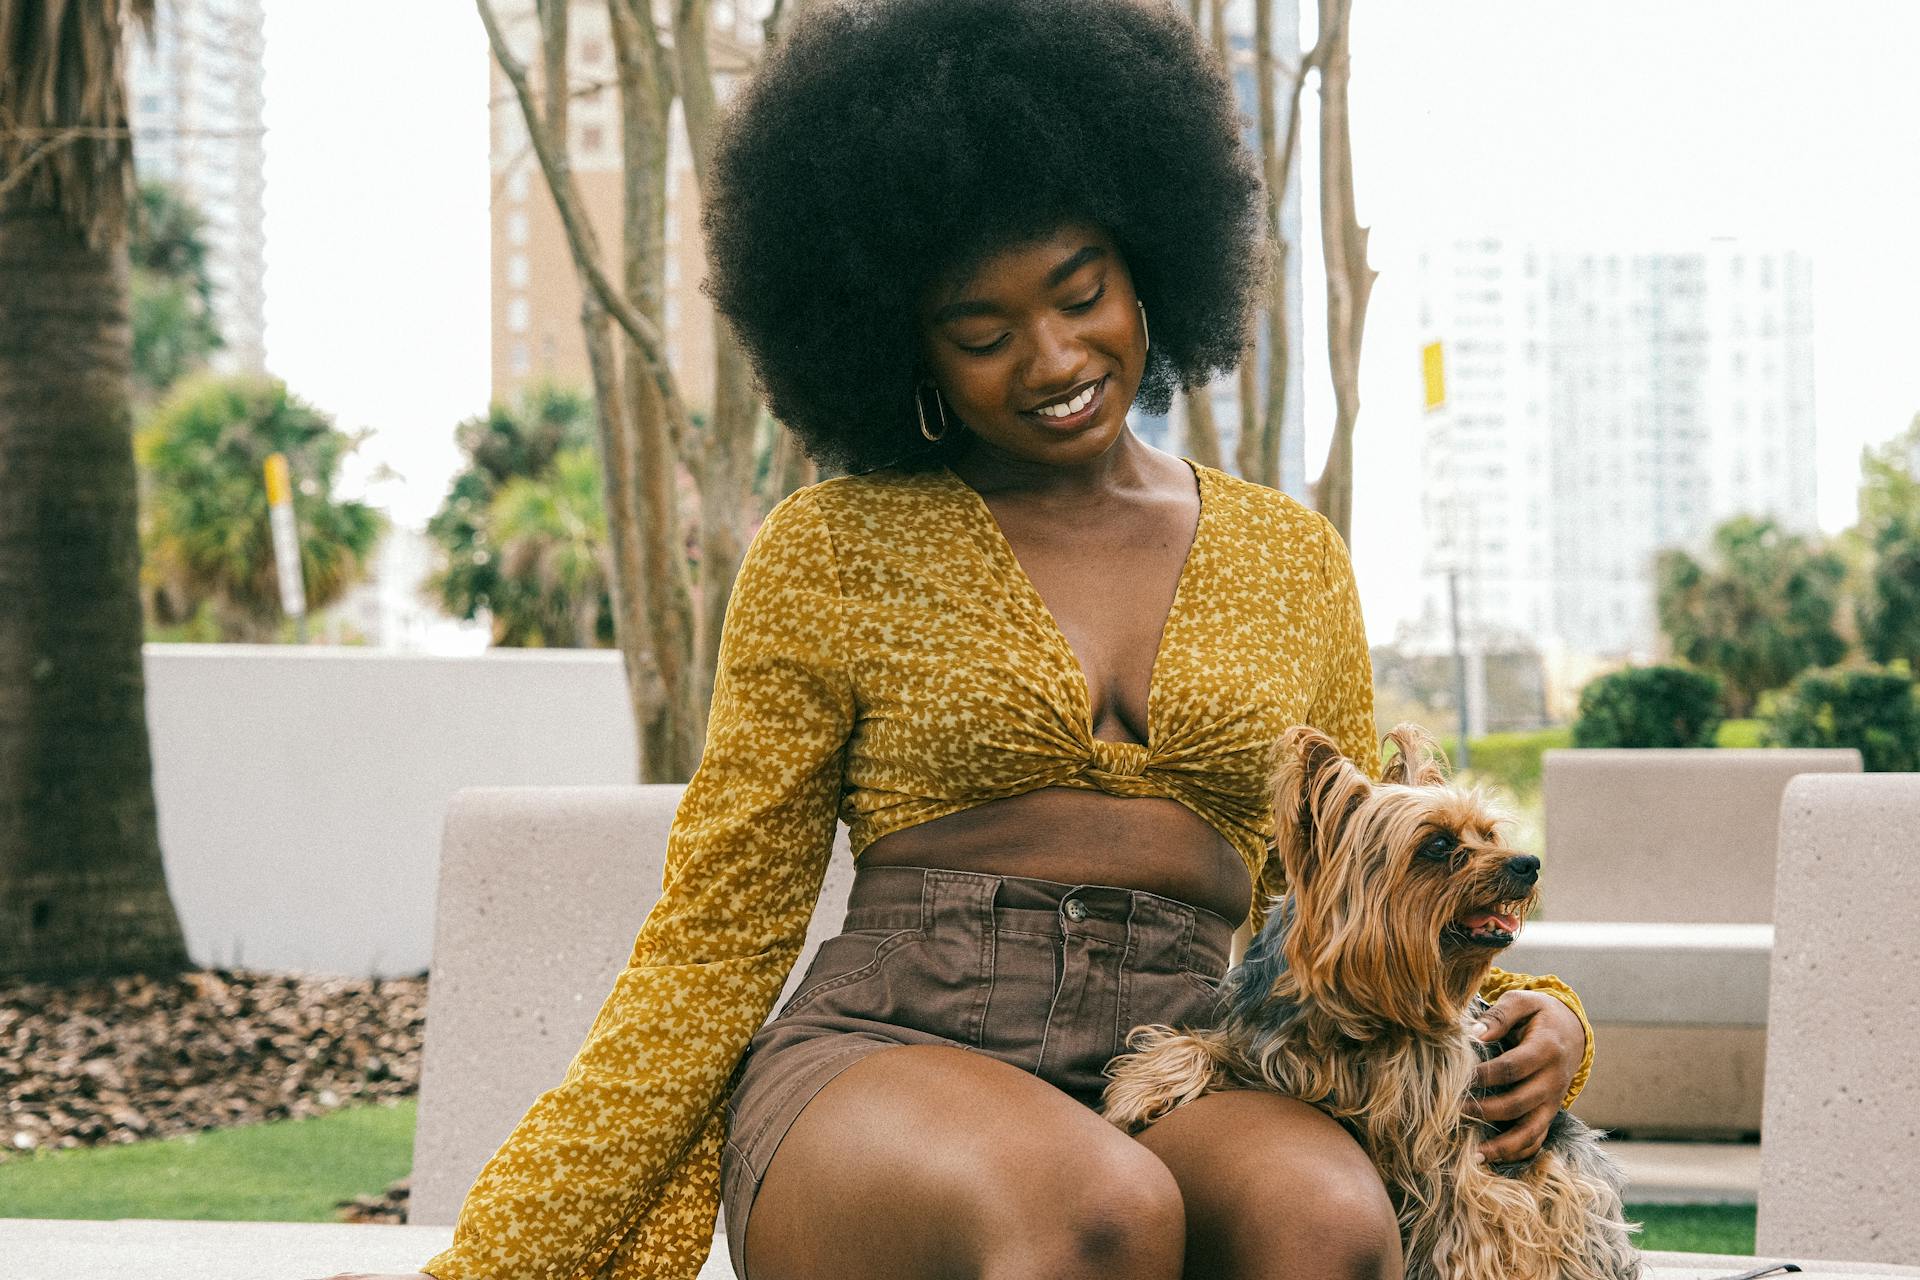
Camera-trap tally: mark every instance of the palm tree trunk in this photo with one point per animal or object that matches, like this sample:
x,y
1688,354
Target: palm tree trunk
x,y
82,887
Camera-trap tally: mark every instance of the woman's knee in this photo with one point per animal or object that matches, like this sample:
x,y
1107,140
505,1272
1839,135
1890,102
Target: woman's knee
x,y
1107,1213
1274,1187
932,1161
1350,1216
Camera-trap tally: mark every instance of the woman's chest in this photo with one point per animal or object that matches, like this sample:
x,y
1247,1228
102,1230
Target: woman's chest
x,y
971,670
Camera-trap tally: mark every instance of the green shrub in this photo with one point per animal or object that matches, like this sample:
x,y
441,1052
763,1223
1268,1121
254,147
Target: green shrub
x,y
1741,733
1649,707
1871,708
1511,759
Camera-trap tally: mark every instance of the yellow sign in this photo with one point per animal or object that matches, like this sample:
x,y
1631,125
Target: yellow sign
x,y
1433,367
279,485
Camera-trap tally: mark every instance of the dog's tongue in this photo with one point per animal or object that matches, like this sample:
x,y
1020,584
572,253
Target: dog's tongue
x,y
1480,920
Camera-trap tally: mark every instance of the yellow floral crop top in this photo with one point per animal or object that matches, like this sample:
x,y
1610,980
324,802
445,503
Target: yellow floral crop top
x,y
886,661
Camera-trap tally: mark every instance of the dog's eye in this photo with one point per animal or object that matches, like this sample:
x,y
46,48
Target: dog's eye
x,y
1438,848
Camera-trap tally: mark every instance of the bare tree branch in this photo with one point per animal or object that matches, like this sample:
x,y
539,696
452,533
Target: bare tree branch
x,y
553,47
580,235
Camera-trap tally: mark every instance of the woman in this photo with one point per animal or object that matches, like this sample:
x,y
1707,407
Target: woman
x,y
1036,666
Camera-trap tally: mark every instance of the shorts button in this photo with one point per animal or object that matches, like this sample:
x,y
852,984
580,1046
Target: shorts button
x,y
1076,909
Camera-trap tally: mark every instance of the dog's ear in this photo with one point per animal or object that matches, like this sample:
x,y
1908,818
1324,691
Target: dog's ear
x,y
1417,760
1315,789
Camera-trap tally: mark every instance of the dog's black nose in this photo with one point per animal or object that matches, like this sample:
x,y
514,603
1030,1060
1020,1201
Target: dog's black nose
x,y
1524,866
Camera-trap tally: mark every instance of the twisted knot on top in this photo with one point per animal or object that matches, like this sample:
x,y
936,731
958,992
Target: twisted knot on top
x,y
1122,759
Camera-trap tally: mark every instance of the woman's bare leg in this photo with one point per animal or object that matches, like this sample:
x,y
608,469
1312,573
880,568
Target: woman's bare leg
x,y
938,1163
1273,1187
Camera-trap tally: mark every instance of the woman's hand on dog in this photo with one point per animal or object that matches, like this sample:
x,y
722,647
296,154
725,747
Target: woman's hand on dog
x,y
1532,1074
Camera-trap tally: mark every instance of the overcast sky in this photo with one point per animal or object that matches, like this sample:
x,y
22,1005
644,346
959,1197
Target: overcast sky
x,y
1636,122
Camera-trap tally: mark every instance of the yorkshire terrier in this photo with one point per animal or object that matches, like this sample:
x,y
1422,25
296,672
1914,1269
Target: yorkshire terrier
x,y
1357,996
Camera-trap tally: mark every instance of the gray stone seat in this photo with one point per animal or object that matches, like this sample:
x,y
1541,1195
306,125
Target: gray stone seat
x,y
541,892
1840,1155
574,870
1654,861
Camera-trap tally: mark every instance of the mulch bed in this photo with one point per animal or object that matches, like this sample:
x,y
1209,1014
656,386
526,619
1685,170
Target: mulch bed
x,y
124,1059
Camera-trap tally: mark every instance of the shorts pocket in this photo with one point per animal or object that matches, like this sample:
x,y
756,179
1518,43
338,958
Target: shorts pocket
x,y
1211,986
1201,1007
844,959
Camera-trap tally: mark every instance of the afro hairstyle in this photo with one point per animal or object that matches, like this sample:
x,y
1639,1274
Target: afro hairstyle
x,y
883,144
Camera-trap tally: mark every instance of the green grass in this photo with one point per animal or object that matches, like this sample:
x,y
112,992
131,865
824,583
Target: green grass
x,y
1694,1228
282,1171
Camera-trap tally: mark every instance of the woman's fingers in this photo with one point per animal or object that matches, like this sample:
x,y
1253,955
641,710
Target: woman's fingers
x,y
1531,1091
1521,1139
1530,1077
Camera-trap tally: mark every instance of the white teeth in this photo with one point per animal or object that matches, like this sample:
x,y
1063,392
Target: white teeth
x,y
1072,406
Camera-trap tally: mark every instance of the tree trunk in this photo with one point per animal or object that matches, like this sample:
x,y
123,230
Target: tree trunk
x,y
1202,436
1202,441
1248,379
648,441
1349,278
671,742
82,887
645,428
724,465
646,698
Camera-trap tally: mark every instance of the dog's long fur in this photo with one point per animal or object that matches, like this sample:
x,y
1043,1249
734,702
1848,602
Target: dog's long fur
x,y
1356,997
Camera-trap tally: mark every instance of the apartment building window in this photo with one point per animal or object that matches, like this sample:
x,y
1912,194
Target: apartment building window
x,y
517,271
591,138
520,360
517,227
518,182
517,315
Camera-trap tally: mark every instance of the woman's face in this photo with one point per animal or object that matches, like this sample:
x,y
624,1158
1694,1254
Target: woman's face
x,y
1038,326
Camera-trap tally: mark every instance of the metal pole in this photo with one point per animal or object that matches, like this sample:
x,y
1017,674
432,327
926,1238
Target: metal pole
x,y
1465,760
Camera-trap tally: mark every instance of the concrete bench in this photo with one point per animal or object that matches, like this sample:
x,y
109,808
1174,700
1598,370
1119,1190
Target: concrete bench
x,y
1658,993
1657,905
541,890
1840,1155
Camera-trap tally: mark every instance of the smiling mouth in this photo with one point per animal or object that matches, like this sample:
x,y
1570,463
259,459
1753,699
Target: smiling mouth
x,y
1494,926
1078,408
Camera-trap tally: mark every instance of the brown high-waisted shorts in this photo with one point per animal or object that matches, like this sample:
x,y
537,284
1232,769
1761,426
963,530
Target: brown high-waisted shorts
x,y
1049,977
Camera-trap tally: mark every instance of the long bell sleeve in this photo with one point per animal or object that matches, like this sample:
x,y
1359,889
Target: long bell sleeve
x,y
614,1171
1343,709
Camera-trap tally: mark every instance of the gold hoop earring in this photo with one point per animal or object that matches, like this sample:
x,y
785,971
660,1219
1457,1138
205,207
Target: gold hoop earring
x,y
1146,335
920,407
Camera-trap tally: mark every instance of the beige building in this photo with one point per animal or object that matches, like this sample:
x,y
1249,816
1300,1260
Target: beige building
x,y
536,292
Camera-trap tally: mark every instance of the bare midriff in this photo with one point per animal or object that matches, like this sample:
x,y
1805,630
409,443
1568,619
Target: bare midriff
x,y
1081,837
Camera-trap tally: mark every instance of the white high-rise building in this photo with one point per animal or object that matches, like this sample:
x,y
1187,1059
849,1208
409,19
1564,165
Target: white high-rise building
x,y
1603,405
196,97
1759,390
1483,501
